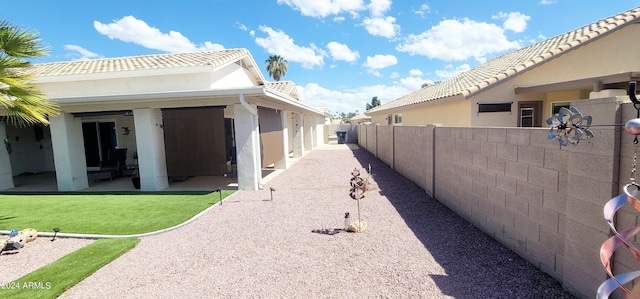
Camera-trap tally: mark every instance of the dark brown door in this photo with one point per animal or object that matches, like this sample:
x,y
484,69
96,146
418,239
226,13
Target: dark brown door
x,y
530,114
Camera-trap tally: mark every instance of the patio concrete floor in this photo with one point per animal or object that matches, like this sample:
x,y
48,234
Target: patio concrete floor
x,y
46,181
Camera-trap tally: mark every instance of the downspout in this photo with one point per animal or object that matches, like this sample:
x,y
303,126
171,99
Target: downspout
x,y
254,121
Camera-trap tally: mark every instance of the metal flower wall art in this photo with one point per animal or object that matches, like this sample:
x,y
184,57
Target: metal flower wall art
x,y
569,126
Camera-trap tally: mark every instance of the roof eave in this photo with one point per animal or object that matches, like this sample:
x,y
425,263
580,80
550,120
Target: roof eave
x,y
453,98
292,102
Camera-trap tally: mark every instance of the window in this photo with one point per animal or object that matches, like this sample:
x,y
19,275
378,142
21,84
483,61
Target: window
x,y
398,119
555,107
494,107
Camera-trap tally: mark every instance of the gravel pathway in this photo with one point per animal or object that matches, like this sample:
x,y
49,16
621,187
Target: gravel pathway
x,y
34,255
253,247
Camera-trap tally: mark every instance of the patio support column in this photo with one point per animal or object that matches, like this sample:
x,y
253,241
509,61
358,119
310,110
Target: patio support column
x,y
284,163
6,174
298,136
319,131
247,135
308,132
68,152
152,162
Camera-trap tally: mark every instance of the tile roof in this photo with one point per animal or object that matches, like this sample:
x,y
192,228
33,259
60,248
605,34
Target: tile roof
x,y
285,87
135,63
511,64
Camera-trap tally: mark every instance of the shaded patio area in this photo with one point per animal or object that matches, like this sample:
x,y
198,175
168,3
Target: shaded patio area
x,y
46,182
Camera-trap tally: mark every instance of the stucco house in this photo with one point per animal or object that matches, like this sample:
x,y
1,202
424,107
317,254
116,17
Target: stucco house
x,y
525,87
169,115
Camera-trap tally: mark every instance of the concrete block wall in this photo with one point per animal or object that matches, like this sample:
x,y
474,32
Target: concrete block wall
x,y
372,140
537,198
362,140
507,182
409,156
384,140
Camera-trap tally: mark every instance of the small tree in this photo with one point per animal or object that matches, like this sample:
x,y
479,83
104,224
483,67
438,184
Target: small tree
x,y
374,102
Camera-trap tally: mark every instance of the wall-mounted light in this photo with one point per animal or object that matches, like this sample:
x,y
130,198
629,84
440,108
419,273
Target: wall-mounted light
x,y
125,131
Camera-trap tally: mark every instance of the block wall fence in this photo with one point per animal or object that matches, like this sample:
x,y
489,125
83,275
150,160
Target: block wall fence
x,y
541,200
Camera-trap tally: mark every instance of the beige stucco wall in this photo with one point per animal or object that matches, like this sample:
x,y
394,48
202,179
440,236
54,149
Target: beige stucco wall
x,y
450,114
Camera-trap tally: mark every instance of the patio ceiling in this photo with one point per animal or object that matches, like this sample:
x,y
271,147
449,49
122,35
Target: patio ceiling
x,y
615,81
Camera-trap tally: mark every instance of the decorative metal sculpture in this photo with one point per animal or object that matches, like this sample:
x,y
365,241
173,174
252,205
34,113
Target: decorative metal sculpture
x,y
569,126
358,187
631,196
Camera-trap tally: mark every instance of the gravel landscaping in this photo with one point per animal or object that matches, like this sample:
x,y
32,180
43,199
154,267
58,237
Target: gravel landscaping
x,y
293,246
34,255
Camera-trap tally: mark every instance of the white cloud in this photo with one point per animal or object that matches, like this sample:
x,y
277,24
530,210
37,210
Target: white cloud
x,y
514,21
394,75
458,40
412,83
342,52
414,72
349,100
80,53
450,71
423,10
338,19
379,7
131,30
323,8
378,26
242,26
278,42
547,2
377,62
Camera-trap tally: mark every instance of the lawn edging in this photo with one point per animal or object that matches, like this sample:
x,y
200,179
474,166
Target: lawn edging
x,y
99,236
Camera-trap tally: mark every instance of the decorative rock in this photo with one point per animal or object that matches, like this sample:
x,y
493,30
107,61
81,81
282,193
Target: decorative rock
x,y
3,243
633,126
357,227
31,234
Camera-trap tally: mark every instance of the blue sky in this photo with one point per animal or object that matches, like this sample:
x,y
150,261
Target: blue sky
x,y
341,53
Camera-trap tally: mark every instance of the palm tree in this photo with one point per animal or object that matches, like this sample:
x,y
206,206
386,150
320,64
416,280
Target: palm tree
x,y
21,102
276,66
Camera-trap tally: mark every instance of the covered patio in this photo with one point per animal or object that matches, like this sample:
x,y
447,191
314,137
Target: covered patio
x,y
165,118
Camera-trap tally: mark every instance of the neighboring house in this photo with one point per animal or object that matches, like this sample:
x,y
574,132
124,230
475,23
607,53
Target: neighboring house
x,y
525,87
360,119
174,115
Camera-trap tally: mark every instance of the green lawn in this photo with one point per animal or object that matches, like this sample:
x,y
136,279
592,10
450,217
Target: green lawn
x,y
52,280
117,214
